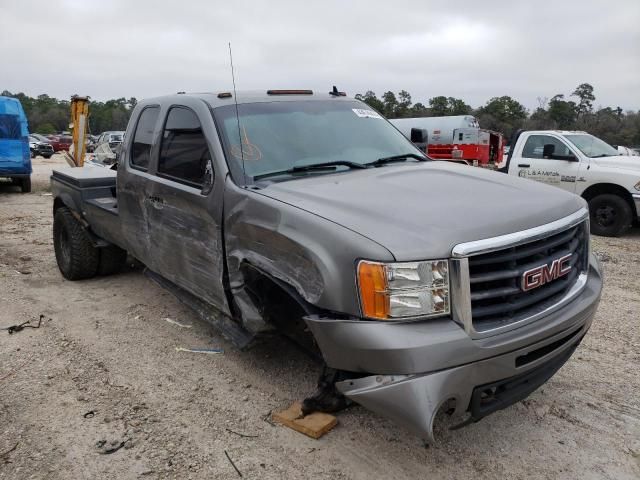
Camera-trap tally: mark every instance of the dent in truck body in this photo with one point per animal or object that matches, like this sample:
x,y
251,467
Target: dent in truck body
x,y
295,247
414,372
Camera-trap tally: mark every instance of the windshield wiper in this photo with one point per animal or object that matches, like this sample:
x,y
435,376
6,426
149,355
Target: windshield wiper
x,y
309,168
397,158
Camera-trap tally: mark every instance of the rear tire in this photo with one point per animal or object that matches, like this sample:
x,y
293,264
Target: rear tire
x,y
112,259
610,214
25,185
77,258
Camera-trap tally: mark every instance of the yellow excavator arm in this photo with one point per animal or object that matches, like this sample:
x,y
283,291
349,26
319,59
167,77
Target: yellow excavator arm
x,y
79,119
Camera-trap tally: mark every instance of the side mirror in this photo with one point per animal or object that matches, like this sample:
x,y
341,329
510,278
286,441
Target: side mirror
x,y
207,183
547,150
418,135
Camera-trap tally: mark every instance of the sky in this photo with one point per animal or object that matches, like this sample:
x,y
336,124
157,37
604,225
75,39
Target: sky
x,y
474,50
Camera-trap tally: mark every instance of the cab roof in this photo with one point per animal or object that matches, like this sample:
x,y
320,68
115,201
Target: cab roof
x,y
559,132
226,97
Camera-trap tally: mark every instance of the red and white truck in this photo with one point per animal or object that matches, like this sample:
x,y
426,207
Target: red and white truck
x,y
458,138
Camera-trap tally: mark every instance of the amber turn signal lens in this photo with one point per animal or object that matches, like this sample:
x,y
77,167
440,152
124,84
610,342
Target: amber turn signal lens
x,y
373,290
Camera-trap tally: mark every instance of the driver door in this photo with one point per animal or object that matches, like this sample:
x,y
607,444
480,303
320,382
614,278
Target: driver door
x,y
184,217
548,159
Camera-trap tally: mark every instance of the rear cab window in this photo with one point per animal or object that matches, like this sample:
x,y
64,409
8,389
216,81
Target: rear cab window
x,y
143,138
184,152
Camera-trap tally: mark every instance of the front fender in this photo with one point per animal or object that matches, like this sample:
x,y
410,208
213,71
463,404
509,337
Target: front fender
x,y
314,256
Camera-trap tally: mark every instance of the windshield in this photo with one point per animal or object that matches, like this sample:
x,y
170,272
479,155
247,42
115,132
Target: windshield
x,y
277,136
116,138
592,146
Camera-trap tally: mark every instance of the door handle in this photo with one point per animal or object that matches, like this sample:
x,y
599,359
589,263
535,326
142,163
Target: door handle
x,y
524,165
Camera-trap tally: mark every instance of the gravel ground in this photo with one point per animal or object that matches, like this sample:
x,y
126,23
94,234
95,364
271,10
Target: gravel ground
x,y
105,347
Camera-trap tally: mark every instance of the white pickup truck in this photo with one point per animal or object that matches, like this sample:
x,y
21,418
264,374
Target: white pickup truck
x,y
583,164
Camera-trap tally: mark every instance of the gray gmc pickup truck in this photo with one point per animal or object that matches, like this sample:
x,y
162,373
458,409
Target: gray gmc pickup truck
x,y
422,286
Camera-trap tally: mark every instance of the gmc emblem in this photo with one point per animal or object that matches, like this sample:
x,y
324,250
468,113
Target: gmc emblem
x,y
538,276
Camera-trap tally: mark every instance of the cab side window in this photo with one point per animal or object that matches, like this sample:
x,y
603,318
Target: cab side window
x,y
184,153
143,138
534,146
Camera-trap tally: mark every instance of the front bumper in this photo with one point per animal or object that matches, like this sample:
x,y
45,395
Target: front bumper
x,y
419,366
636,200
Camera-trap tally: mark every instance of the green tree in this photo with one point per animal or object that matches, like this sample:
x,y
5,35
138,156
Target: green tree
x,y
584,92
403,108
563,113
372,100
441,106
503,114
390,103
419,110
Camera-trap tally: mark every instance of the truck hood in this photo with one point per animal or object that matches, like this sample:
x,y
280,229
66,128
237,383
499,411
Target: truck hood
x,y
621,161
421,211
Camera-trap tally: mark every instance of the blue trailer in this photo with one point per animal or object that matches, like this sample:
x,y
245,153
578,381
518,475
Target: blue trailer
x,y
15,156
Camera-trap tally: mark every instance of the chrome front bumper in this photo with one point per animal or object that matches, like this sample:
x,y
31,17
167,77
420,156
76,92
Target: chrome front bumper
x,y
418,366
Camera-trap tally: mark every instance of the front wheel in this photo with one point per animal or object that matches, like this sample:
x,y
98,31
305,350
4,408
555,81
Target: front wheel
x,y
25,185
77,258
611,215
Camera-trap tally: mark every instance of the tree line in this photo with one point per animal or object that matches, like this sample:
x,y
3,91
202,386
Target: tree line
x,y
49,115
503,114
506,115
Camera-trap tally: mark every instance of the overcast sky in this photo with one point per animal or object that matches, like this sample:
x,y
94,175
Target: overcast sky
x,y
473,50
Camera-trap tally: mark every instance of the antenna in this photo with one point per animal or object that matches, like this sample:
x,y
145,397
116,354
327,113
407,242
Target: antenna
x,y
235,99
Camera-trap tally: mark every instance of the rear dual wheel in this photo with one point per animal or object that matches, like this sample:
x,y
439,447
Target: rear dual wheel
x,y
76,256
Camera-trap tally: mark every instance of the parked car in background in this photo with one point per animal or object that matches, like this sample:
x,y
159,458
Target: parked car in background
x,y
39,147
583,164
113,138
61,142
15,155
104,152
41,138
91,143
629,152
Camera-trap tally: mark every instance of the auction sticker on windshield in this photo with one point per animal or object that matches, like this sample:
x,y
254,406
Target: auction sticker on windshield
x,y
364,113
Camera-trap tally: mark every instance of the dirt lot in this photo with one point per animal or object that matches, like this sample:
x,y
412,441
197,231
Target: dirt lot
x,y
106,347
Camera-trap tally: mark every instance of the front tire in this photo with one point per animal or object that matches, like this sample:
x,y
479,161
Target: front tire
x,y
77,258
610,214
25,185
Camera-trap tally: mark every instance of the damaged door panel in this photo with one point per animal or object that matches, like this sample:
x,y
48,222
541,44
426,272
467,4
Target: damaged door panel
x,y
311,215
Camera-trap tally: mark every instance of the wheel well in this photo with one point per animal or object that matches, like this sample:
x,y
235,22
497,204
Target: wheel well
x,y
57,203
280,305
610,188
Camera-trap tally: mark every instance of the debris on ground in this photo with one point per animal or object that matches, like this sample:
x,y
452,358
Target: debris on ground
x,y
314,425
200,350
107,448
17,328
233,464
174,322
241,434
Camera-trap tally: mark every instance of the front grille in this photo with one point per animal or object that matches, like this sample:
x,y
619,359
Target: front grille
x,y
497,297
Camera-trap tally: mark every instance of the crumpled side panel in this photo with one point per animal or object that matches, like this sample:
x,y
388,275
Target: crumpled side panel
x,y
314,256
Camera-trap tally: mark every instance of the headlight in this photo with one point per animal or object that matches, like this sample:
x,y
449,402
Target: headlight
x,y
393,291
637,186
